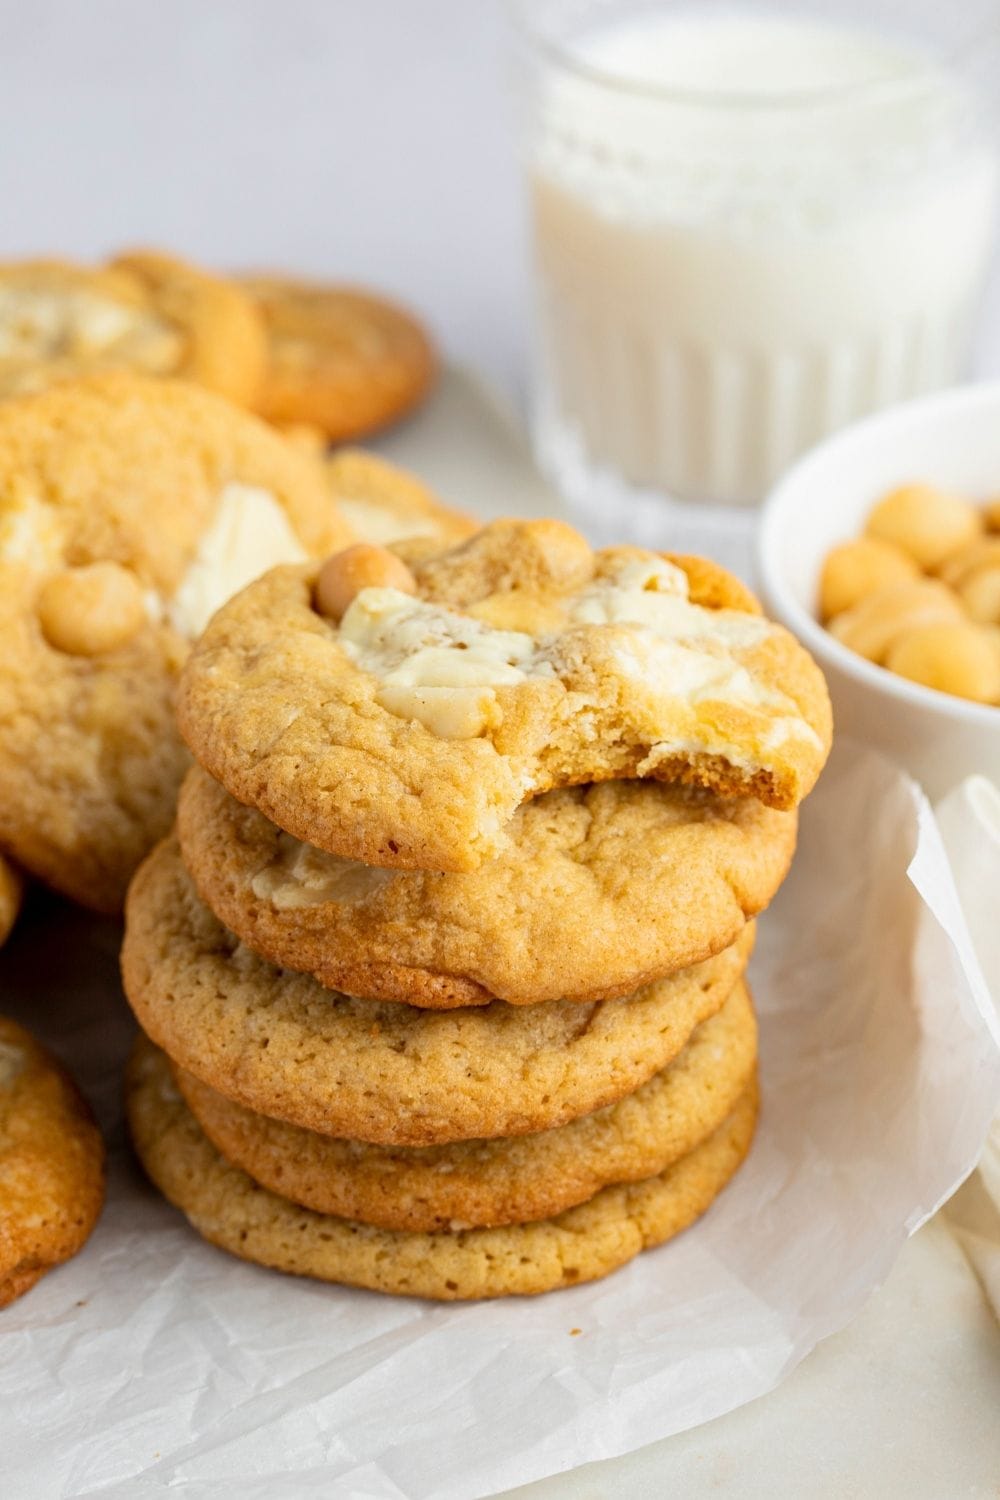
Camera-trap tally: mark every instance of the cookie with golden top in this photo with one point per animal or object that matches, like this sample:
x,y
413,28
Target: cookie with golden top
x,y
129,509
400,714
485,1183
338,358
224,337
384,503
282,1046
51,1164
230,1210
601,889
146,313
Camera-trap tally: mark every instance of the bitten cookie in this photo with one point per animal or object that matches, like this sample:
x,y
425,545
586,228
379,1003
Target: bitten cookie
x,y
341,359
129,510
146,313
602,889
228,1208
51,1164
400,716
283,1046
383,503
485,1183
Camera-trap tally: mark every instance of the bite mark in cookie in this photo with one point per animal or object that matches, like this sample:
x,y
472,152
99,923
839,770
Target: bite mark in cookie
x,y
522,662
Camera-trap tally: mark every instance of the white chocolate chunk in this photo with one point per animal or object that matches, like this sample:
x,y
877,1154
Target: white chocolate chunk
x,y
249,534
31,534
440,667
302,875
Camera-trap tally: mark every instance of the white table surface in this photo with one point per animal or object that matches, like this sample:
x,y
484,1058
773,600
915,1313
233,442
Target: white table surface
x,y
372,141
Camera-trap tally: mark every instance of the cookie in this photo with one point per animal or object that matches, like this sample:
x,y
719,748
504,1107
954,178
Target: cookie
x,y
225,344
281,1045
129,509
11,896
602,889
51,1164
229,1209
484,1183
338,358
385,504
60,321
409,731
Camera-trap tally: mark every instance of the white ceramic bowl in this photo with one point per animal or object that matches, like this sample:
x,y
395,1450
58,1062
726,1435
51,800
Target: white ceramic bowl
x,y
952,440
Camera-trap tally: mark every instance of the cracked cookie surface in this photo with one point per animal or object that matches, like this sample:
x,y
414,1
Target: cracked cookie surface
x,y
129,508
229,1209
601,890
51,1163
508,1181
281,1045
409,731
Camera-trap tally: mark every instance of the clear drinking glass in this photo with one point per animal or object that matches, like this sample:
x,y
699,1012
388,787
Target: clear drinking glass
x,y
794,231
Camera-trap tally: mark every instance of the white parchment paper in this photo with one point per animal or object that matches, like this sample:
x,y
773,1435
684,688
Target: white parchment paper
x,y
153,1364
969,819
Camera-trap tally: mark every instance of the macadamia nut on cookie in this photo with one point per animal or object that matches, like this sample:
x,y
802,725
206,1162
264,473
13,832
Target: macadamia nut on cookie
x,y
91,610
345,574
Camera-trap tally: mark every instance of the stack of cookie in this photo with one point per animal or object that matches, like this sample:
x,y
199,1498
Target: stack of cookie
x,y
441,974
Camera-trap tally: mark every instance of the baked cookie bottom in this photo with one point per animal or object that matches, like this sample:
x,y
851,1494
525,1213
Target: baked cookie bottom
x,y
228,1208
51,1164
488,1183
282,1045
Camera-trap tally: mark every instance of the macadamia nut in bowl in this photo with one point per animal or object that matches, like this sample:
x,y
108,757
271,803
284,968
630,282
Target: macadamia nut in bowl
x,y
879,551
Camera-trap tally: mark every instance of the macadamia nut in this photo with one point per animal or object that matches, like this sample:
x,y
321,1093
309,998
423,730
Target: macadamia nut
x,y
90,610
856,569
979,591
982,553
873,625
926,522
345,574
960,658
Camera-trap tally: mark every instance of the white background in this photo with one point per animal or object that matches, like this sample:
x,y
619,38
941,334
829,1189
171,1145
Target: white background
x,y
366,139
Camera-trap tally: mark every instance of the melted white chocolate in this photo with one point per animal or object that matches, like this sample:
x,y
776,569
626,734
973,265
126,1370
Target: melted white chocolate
x,y
249,534
302,875
441,667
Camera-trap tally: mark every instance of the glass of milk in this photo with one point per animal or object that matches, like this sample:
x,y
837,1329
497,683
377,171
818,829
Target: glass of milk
x,y
752,223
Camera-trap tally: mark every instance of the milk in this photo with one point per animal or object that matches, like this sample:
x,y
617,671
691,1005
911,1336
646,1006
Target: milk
x,y
724,280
